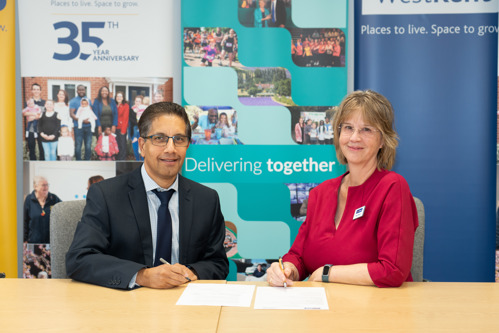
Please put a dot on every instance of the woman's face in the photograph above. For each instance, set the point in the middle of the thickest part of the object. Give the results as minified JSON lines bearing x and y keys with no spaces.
{"x":119,"y":98}
{"x":61,"y":96}
{"x":223,"y":119}
{"x":360,"y":149}
{"x":262,"y":3}
{"x":42,"y":188}
{"x":104,"y":92}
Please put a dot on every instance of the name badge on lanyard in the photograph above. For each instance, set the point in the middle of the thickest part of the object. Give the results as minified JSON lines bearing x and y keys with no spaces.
{"x":359,"y":212}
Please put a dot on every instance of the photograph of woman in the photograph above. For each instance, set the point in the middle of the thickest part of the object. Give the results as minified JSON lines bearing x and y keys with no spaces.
{"x":262,"y":15}
{"x":299,"y":131}
{"x":121,"y":129}
{"x":37,"y":206}
{"x":105,"y":109}
{"x":62,"y":109}
{"x":360,"y":226}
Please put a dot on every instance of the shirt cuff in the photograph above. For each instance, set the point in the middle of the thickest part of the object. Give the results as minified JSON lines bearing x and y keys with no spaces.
{"x":132,"y":283}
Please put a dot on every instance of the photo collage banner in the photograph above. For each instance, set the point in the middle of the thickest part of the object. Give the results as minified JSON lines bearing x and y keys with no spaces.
{"x":261,"y":82}
{"x":104,"y":61}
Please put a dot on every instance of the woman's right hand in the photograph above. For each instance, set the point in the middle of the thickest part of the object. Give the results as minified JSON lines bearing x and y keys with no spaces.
{"x":276,"y":277}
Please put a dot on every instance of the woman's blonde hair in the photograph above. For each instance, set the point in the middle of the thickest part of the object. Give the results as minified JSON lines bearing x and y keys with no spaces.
{"x":377,"y":111}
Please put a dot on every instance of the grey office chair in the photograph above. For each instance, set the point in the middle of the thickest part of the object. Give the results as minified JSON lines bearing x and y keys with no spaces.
{"x":64,"y":217}
{"x":417,"y":257}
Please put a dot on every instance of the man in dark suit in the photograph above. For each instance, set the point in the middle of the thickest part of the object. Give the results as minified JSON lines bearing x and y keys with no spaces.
{"x":278,"y":13}
{"x":115,"y":244}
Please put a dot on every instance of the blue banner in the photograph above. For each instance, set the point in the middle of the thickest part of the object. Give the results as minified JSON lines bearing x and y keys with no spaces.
{"x":437,"y":64}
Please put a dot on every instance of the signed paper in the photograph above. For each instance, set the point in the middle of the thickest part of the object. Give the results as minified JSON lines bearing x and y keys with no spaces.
{"x":217,"y":294}
{"x":313,"y":298}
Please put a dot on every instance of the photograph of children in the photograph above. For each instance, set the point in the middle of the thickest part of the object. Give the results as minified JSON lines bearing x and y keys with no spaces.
{"x":64,"y":117}
{"x":45,"y":184}
{"x":312,"y":125}
{"x":213,"y":125}
{"x":230,"y":242}
{"x":252,"y":269}
{"x":318,"y":47}
{"x":210,"y":47}
{"x":265,"y":13}
{"x":264,"y":86}
{"x":299,"y":193}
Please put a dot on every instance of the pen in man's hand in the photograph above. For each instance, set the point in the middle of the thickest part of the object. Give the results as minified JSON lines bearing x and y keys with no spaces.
{"x":282,"y":270}
{"x":167,"y":263}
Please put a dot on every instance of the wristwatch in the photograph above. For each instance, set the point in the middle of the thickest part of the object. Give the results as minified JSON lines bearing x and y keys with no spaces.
{"x":325,"y":273}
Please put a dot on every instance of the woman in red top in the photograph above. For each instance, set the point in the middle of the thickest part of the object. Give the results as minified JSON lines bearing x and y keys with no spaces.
{"x":360,"y":226}
{"x":123,"y":114}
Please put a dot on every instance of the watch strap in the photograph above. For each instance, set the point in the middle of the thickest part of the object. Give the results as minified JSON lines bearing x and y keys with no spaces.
{"x":325,"y":272}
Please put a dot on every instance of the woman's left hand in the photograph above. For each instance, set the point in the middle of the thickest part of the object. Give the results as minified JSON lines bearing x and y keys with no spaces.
{"x":317,"y":275}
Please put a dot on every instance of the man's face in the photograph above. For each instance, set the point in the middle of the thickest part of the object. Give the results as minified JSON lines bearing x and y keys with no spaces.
{"x":36,"y":91}
{"x":213,"y":116}
{"x":164,"y":163}
{"x":82,"y":91}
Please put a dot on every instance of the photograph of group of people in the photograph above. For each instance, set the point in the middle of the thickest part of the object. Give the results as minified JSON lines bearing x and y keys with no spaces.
{"x":86,"y":118}
{"x":312,"y":125}
{"x":213,"y":125}
{"x":318,"y":47}
{"x":299,"y":193}
{"x":264,"y":86}
{"x":36,"y":261}
{"x":265,"y":13}
{"x":210,"y":47}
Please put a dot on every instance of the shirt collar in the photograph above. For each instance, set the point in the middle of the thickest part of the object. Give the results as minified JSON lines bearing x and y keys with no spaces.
{"x":150,"y":184}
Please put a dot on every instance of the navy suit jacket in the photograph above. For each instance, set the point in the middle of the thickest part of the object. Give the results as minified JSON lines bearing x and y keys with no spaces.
{"x":113,"y":240}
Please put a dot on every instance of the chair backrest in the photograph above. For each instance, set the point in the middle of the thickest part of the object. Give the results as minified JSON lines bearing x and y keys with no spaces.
{"x":417,"y":257}
{"x":64,"y":217}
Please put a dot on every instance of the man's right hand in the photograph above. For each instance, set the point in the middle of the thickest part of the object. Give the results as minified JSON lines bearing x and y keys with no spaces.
{"x":164,"y":276}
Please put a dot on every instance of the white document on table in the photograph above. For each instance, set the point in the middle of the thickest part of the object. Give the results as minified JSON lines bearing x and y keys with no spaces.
{"x":217,"y":294}
{"x":291,"y":298}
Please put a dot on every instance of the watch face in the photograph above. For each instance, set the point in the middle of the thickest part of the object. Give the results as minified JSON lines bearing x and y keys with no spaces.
{"x":326,"y":270}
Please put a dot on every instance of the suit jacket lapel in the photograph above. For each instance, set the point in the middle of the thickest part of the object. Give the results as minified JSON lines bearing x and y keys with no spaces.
{"x":185,"y":217}
{"x":138,"y":201}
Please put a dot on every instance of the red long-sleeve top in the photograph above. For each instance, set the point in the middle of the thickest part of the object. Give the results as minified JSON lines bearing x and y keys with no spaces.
{"x":123,"y":114}
{"x":383,"y":237}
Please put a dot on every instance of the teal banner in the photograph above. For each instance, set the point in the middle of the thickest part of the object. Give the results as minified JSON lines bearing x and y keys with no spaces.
{"x":261,"y":83}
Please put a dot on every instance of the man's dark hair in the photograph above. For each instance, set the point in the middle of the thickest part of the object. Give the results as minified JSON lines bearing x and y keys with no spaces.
{"x":95,"y":179}
{"x":156,"y":110}
{"x":36,"y":84}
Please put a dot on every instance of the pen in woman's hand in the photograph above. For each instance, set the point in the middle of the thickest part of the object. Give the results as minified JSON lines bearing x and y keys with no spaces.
{"x":282,"y":270}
